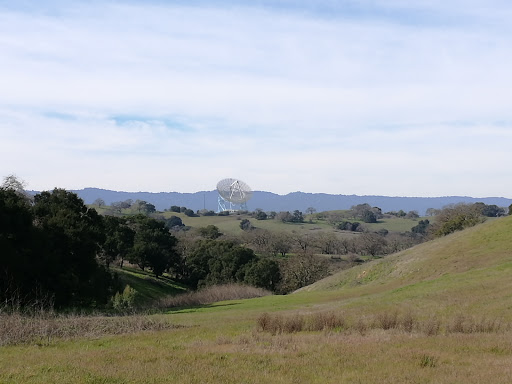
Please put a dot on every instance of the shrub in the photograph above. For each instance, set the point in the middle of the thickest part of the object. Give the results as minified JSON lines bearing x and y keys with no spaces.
{"x":125,"y":300}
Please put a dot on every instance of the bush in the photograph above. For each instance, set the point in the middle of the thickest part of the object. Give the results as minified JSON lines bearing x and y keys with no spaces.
{"x":456,"y":218}
{"x":245,"y":225}
{"x":125,"y":300}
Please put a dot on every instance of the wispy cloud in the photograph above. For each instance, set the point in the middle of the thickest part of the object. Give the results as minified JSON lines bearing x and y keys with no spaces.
{"x":385,"y":98}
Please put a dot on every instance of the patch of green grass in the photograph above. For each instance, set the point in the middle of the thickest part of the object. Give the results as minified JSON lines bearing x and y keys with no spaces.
{"x":148,"y":287}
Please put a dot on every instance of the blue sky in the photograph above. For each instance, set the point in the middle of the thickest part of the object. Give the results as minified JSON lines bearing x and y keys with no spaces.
{"x":395,"y":97}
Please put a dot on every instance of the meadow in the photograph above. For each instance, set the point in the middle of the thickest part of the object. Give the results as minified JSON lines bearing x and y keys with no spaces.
{"x":436,"y":313}
{"x":230,"y":225}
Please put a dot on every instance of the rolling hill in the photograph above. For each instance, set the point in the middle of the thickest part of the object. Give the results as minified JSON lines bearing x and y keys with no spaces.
{"x":463,"y":276}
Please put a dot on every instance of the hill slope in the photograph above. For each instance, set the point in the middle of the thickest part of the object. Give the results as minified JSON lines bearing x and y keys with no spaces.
{"x":469,"y":270}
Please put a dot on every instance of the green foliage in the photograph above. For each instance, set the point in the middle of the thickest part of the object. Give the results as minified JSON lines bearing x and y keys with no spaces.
{"x":297,"y":216}
{"x":369,"y":217}
{"x":218,"y":262}
{"x":125,"y":300}
{"x":119,"y":239}
{"x":287,"y":217}
{"x":175,"y":208}
{"x":210,"y":232}
{"x":153,"y":245}
{"x":492,"y":211}
{"x":144,"y":207}
{"x":245,"y":225}
{"x":422,"y":227}
{"x":260,"y":215}
{"x":456,"y":218}
{"x":49,"y":249}
{"x":174,"y":222}
{"x":349,"y":226}
{"x":189,"y":213}
{"x":264,"y":273}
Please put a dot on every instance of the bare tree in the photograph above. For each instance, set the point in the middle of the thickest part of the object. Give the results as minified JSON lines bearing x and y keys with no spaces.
{"x":99,"y":202}
{"x":302,"y":270}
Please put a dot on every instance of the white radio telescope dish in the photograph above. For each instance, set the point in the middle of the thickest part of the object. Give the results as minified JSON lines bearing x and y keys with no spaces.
{"x":233,"y":194}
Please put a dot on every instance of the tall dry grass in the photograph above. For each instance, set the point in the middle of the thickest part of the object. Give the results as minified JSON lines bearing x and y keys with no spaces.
{"x":406,"y":322}
{"x":213,"y":294}
{"x":45,"y":327}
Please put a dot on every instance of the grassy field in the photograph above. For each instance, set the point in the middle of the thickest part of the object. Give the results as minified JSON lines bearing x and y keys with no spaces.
{"x":459,"y":280}
{"x":230,"y":225}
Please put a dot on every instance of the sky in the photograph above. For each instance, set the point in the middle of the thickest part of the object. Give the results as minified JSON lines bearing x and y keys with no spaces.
{"x":375,"y":97}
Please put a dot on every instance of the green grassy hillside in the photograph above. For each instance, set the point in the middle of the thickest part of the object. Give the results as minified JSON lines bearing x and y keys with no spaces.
{"x":471,"y":269}
{"x":231,"y":224}
{"x":148,"y":287}
{"x":468,"y":273}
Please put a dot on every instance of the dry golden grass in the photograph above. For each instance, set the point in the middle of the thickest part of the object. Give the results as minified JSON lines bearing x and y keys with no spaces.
{"x":45,"y":328}
{"x":213,"y":294}
{"x":391,"y":320}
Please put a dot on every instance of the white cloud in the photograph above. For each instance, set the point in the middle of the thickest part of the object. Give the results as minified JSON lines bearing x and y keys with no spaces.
{"x":287,"y":101}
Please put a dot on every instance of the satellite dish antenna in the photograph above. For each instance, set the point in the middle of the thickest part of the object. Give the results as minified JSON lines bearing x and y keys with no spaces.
{"x":233,"y":195}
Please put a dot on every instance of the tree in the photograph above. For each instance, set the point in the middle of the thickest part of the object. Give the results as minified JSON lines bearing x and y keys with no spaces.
{"x":492,"y":211}
{"x":119,"y":240}
{"x":73,"y":235}
{"x":369,"y":217}
{"x":422,"y":227}
{"x":99,"y":202}
{"x":284,"y":216}
{"x":260,"y":215}
{"x":19,"y":246}
{"x":144,"y":207}
{"x":431,"y":211}
{"x":302,"y":270}
{"x":310,"y":210}
{"x":371,"y":244}
{"x":412,"y":215}
{"x":175,"y":208}
{"x":264,"y":273}
{"x":189,"y":213}
{"x":245,"y":225}
{"x":297,"y":216}
{"x":217,"y":262}
{"x":174,"y":222}
{"x":455,"y":218}
{"x":280,"y":243}
{"x":510,"y":209}
{"x":154,"y":246}
{"x":210,"y":232}
{"x":359,"y":209}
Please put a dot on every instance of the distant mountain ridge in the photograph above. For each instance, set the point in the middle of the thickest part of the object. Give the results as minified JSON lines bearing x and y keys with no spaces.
{"x":269,"y":201}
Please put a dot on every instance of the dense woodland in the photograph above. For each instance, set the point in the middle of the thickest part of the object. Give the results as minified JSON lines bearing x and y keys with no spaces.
{"x":57,"y":250}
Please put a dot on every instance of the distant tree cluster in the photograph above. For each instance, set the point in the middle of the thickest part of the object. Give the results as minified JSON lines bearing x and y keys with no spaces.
{"x":287,"y":217}
{"x":211,"y":261}
{"x":366,"y":213}
{"x":407,"y":215}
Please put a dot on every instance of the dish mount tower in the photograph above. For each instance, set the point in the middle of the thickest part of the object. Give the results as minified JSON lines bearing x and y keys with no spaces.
{"x":233,"y":195}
